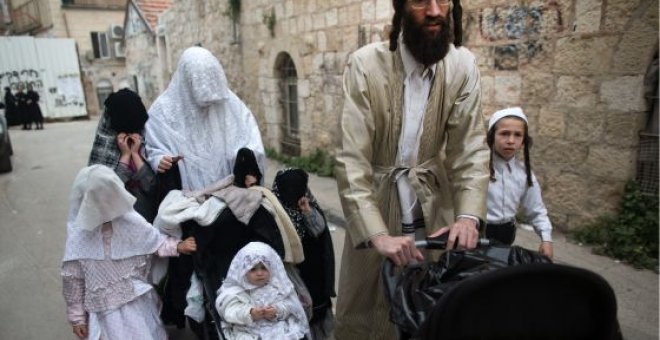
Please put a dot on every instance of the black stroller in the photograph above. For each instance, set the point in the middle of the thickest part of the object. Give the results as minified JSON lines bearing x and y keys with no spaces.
{"x":498,"y":292}
{"x":217,"y":244}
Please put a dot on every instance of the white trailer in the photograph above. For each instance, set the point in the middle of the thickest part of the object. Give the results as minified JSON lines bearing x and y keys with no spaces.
{"x":51,"y":66}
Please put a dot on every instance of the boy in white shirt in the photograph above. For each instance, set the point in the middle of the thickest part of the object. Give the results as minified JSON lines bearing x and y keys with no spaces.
{"x":512,"y":183}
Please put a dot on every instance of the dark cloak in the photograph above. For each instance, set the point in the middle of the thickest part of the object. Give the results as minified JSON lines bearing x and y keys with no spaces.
{"x":318,"y":269}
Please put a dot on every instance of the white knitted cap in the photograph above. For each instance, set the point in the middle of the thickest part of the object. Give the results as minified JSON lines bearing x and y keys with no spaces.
{"x":511,"y":111}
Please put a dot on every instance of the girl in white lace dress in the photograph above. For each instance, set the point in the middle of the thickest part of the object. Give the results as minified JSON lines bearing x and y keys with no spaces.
{"x":107,"y":261}
{"x":257,"y":300}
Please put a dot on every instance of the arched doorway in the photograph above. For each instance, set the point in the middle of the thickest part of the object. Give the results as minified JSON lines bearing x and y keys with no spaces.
{"x":103,"y":90}
{"x":288,"y":98}
{"x":128,"y":83}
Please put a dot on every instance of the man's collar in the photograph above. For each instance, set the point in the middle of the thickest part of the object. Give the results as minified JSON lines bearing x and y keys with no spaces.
{"x":411,"y":64}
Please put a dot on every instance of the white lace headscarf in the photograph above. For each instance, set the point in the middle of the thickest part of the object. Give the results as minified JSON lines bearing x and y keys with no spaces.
{"x":200,"y":118}
{"x":279,"y":289}
{"x":99,"y":196}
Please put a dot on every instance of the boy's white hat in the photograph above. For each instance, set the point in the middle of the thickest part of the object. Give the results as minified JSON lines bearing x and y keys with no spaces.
{"x":511,"y":111}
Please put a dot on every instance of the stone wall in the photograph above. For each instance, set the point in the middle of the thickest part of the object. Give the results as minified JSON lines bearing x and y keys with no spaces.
{"x":146,"y":69}
{"x":317,"y":35}
{"x":575,"y":66}
{"x":577,"y":69}
{"x":113,"y":71}
{"x":142,"y":59}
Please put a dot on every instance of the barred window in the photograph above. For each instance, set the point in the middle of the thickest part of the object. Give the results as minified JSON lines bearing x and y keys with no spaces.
{"x":647,"y":163}
{"x":288,"y":84}
{"x":647,"y":160}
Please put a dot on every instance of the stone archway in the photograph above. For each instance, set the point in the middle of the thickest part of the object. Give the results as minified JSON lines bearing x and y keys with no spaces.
{"x":270,"y":92}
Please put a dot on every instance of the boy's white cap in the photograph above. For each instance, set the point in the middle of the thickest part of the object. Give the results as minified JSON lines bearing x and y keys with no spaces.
{"x":511,"y":111}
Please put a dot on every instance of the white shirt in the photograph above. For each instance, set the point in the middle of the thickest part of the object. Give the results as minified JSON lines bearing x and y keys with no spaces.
{"x":416,"y":88}
{"x":510,"y":192}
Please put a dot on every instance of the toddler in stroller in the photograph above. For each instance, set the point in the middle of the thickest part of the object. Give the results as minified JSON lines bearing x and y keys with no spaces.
{"x":223,"y":217}
{"x":499,"y":292}
{"x":257,"y":300}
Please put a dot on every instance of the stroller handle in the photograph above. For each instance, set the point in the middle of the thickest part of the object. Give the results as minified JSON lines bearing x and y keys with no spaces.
{"x":439,"y":242}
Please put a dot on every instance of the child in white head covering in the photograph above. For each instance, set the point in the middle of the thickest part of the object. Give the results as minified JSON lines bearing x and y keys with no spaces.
{"x":107,"y":261}
{"x":257,"y":300}
{"x":512,"y":183}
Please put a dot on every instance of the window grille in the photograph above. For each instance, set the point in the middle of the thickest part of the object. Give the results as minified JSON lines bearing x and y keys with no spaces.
{"x":289,"y":99}
{"x":647,"y":163}
{"x":647,"y":158}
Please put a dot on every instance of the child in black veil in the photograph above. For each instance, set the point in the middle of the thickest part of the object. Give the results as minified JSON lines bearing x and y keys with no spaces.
{"x":318,"y":268}
{"x":246,"y":169}
{"x":119,"y":145}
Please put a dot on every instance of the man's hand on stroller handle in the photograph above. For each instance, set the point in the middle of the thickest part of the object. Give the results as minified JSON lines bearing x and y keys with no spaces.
{"x":463,"y":234}
{"x":400,"y":249}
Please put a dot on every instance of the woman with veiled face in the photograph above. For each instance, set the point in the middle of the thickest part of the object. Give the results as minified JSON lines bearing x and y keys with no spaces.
{"x":199,"y":123}
{"x":195,"y":128}
{"x":119,"y":145}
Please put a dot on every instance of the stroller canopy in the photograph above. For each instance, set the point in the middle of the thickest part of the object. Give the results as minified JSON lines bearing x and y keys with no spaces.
{"x":532,"y":301}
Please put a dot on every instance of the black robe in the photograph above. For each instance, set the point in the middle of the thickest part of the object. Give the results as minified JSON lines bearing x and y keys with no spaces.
{"x":33,"y":110}
{"x":22,"y":108}
{"x":216,"y":246}
{"x":11,"y":110}
{"x":318,"y":272}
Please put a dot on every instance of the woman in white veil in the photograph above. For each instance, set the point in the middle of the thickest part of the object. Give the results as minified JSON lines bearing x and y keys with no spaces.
{"x":199,"y":118}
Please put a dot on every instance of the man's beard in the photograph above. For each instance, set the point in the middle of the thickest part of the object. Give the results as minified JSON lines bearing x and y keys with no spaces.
{"x":427,"y":49}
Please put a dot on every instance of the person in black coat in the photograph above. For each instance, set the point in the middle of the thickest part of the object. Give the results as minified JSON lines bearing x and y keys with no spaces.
{"x":22,"y":108}
{"x":318,"y":269}
{"x":33,"y":110}
{"x":11,"y":112}
{"x":217,"y":244}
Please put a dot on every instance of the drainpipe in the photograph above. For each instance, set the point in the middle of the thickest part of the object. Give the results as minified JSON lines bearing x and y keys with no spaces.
{"x":66,"y":23}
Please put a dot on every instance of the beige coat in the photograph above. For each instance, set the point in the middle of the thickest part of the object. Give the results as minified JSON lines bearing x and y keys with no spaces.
{"x":451,"y":178}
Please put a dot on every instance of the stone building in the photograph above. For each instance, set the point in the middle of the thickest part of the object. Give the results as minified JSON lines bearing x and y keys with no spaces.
{"x":577,"y":67}
{"x":143,"y":43}
{"x":96,"y":26}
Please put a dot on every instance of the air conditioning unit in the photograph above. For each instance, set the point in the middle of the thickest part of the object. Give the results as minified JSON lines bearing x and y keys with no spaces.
{"x":116,"y":32}
{"x":89,"y":55}
{"x":119,"y":49}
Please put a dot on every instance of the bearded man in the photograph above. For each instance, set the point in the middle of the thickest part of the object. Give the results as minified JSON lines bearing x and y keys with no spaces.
{"x":413,"y":159}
